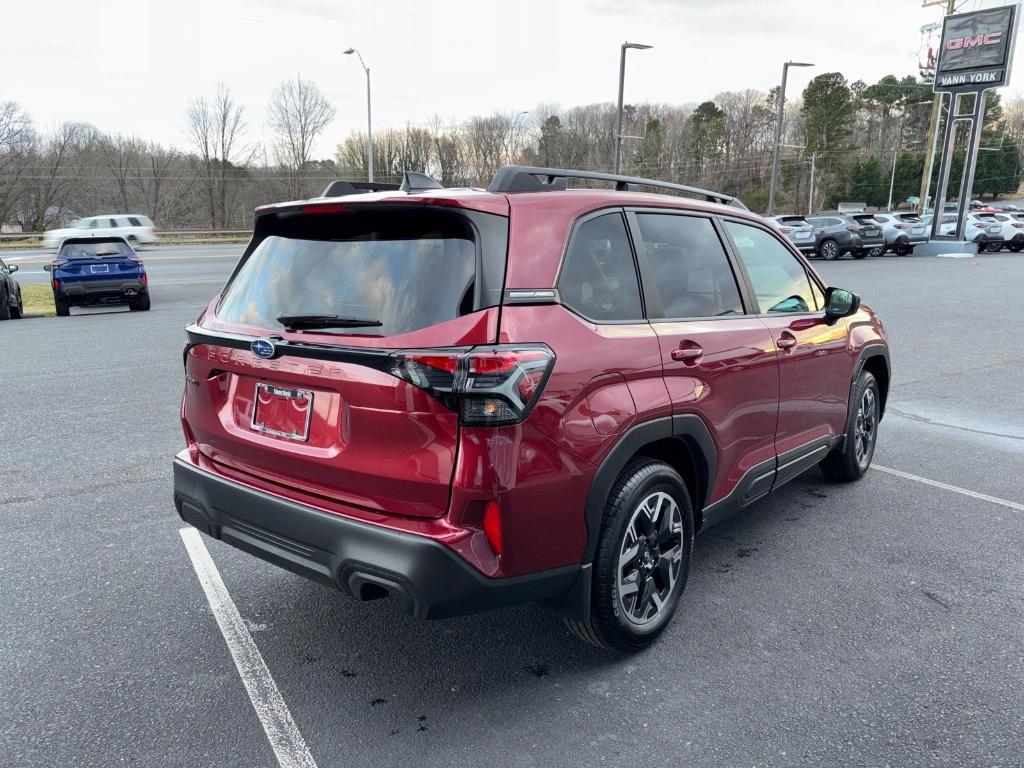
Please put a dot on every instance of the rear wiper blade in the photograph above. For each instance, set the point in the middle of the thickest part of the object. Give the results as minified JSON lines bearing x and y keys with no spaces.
{"x":299,"y":322}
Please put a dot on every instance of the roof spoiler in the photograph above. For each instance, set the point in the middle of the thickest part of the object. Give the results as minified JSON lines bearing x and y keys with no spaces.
{"x":522,"y":178}
{"x":340,"y":188}
{"x":412,"y":181}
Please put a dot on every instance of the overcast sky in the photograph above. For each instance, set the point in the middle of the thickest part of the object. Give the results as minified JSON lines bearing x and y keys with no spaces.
{"x":131,"y":66}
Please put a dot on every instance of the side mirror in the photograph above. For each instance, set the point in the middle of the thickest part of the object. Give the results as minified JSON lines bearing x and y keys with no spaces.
{"x":840,"y":303}
{"x":12,"y":267}
{"x":48,"y":267}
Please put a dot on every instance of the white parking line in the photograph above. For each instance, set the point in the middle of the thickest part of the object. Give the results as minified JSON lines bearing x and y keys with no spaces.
{"x":285,"y":738}
{"x":953,"y":488}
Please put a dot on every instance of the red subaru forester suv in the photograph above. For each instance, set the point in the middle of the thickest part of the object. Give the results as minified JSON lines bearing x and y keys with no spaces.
{"x":463,"y":399}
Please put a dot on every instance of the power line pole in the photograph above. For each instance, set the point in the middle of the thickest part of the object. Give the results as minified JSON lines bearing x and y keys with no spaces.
{"x":933,"y":130}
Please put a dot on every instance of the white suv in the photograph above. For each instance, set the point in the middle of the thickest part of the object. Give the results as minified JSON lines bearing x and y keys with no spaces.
{"x":135,"y":228}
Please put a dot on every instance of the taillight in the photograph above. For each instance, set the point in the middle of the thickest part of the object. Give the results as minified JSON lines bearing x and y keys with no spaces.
{"x":785,"y":230}
{"x":856,"y":229}
{"x":902,"y":226}
{"x":56,"y":283}
{"x":143,"y":278}
{"x":488,"y":386}
{"x":1018,"y":226}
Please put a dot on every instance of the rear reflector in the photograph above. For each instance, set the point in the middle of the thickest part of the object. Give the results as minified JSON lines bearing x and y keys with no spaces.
{"x":492,"y":526}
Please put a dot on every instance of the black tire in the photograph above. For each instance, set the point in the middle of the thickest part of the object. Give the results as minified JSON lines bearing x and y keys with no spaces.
{"x":829,"y":250}
{"x":877,"y":251}
{"x":903,"y":249}
{"x":63,"y":308}
{"x":861,"y":254}
{"x":995,"y":247}
{"x":18,"y":312}
{"x":1016,"y":247}
{"x":5,"y":307}
{"x":141,"y":304}
{"x":851,"y":459}
{"x":611,"y":624}
{"x":133,"y":241}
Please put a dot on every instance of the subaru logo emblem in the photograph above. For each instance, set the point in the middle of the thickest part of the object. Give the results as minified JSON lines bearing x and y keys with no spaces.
{"x":263,"y":348}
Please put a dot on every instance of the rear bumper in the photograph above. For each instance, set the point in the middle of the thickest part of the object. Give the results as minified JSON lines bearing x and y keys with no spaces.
{"x":95,"y":290}
{"x":365,"y":561}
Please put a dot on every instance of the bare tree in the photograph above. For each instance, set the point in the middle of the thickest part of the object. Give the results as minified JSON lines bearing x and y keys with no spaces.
{"x":59,"y":163}
{"x":16,"y":139}
{"x":298,"y":113}
{"x":216,"y":130}
{"x":157,"y":177}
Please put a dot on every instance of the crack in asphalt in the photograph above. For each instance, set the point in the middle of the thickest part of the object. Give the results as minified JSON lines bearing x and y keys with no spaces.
{"x":79,"y":491}
{"x":926,"y":420}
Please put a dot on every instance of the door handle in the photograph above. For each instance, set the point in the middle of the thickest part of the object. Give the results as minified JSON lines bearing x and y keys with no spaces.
{"x":786,"y":340}
{"x":688,"y":352}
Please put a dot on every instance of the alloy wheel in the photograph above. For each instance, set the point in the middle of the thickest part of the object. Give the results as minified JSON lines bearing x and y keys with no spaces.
{"x":864,"y":430}
{"x":650,"y":559}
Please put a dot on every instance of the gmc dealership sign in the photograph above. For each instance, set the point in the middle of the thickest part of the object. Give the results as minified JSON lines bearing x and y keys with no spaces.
{"x":977,"y":49}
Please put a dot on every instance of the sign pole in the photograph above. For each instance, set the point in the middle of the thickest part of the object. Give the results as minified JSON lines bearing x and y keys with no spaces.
{"x":975,"y":56}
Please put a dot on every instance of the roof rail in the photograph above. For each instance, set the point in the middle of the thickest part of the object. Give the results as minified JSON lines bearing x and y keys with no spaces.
{"x":340,"y":188}
{"x":523,"y":178}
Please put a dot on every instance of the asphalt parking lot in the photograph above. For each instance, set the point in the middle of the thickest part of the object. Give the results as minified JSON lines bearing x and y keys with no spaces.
{"x":880,"y":623}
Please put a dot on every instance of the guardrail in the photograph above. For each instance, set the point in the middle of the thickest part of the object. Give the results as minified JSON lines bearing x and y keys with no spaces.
{"x":168,"y":233}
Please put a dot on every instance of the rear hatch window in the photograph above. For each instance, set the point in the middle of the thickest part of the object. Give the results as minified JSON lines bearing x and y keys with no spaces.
{"x":380,"y":271}
{"x":866,"y":221}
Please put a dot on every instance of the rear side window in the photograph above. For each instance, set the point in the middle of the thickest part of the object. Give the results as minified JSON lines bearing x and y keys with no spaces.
{"x":133,"y":222}
{"x":599,"y":279}
{"x":112,"y":223}
{"x":778,"y":278}
{"x":689,"y":265}
{"x":405,"y":269}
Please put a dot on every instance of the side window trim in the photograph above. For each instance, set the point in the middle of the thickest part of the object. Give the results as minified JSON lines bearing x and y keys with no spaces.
{"x":570,"y":241}
{"x":647,"y":281}
{"x":811,"y":276}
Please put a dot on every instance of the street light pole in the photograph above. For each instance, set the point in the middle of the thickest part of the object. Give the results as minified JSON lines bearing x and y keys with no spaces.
{"x":514,"y":137}
{"x":622,"y":83}
{"x":778,"y":132}
{"x":369,"y":115}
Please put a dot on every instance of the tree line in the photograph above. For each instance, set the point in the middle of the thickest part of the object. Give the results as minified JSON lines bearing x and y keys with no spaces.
{"x":858,"y":137}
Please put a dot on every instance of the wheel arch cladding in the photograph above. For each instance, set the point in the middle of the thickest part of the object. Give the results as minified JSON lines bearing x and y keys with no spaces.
{"x":683,"y":442}
{"x":878,"y":365}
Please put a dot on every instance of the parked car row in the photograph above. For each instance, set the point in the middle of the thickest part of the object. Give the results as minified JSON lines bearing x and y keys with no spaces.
{"x":833,"y":235}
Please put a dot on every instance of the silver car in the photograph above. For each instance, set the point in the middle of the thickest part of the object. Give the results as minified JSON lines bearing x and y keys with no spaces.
{"x":1013,"y":230}
{"x":796,"y":228}
{"x":980,"y":229}
{"x":902,"y":231}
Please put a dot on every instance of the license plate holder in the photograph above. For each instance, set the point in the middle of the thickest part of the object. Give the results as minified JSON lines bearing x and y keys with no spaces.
{"x":282,"y":412}
{"x":99,"y":268}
